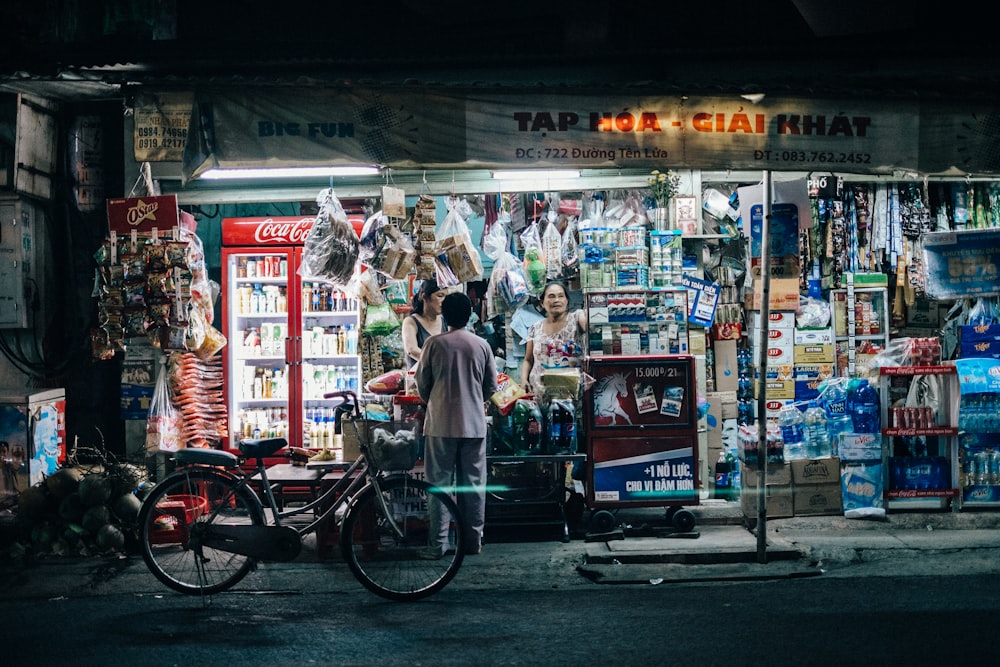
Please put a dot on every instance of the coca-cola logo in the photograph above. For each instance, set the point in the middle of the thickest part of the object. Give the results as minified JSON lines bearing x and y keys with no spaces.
{"x":271,"y":231}
{"x":134,"y":215}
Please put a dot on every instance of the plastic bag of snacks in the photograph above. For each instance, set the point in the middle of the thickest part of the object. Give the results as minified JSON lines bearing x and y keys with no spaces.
{"x":507,"y":393}
{"x":330,"y":252}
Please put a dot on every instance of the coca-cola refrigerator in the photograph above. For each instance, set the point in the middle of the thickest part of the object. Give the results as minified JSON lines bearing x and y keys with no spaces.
{"x":290,"y":340}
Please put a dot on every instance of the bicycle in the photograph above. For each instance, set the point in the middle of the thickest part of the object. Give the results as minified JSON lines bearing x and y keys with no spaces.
{"x":204,"y":527}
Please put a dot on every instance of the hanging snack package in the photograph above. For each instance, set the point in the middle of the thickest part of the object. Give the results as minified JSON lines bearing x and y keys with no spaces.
{"x":424,"y":225}
{"x":330,"y":252}
{"x":507,"y":393}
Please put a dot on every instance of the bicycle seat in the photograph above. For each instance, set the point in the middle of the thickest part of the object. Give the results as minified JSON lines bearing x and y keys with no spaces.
{"x":203,"y":456}
{"x":262,"y":447}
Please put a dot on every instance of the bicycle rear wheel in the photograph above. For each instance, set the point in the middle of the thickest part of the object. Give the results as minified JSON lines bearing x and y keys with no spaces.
{"x":394,"y":564}
{"x":169,"y":522}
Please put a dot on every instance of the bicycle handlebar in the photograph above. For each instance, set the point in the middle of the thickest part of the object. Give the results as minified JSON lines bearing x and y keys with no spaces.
{"x":348,"y":402}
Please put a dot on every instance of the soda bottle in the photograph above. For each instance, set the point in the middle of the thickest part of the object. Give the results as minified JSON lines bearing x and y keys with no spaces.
{"x":533,"y":427}
{"x":723,"y":482}
{"x":838,"y":420}
{"x":791,"y":423}
{"x":817,"y":437}
{"x":864,"y":404}
{"x":520,"y":427}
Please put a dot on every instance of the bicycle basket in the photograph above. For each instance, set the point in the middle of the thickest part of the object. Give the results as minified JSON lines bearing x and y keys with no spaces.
{"x":393,"y":449}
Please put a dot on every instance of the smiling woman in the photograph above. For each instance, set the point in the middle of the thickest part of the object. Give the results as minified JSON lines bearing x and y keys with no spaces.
{"x":556,"y":340}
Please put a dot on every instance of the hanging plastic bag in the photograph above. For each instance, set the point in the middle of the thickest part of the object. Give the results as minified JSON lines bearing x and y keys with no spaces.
{"x":552,"y":246}
{"x":508,"y":288}
{"x":534,"y":263}
{"x":163,"y":425}
{"x":568,"y":250}
{"x":394,"y":256}
{"x":371,"y":235}
{"x":984,"y":311}
{"x":495,"y":240}
{"x":455,"y":250}
{"x":380,"y":320}
{"x":330,"y":252}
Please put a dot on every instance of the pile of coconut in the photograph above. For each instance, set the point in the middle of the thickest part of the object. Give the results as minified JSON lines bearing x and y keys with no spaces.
{"x":79,"y":511}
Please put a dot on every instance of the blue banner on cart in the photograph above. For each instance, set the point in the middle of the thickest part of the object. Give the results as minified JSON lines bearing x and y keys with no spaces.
{"x":962,"y":264}
{"x":666,"y":475}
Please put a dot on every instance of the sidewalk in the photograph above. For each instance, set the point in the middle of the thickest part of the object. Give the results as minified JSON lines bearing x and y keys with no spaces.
{"x":720,"y":548}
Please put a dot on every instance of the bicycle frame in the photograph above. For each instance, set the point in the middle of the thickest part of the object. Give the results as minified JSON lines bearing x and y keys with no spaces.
{"x":358,"y":475}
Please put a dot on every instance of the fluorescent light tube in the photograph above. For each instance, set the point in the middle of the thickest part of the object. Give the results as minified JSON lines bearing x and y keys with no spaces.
{"x":286,"y":172}
{"x":536,"y":174}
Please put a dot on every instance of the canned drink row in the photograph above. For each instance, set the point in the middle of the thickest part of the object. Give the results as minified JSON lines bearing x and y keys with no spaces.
{"x":919,"y":417}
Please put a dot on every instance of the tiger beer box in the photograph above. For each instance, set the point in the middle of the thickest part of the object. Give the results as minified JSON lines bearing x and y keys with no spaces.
{"x":816,"y":486}
{"x":980,"y":341}
{"x":777,"y":490}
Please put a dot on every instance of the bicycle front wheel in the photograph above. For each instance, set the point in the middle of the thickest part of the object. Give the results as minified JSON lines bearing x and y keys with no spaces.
{"x":172,"y":516}
{"x":386,"y":539}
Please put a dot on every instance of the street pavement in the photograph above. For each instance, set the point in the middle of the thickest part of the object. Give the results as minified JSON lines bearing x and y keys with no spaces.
{"x":641,"y":550}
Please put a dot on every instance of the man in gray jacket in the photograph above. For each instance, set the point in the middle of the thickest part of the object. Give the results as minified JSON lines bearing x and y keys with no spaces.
{"x":455,"y":378}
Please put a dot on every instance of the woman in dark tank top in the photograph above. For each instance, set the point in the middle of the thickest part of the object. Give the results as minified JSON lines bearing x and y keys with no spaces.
{"x":423,"y":321}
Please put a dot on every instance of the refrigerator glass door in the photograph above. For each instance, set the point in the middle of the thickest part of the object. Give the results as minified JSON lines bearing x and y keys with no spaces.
{"x":329,"y":353}
{"x":257,"y":306}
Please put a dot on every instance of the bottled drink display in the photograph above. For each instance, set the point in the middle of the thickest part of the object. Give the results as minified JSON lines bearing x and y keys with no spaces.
{"x":864,"y":408}
{"x":562,"y":426}
{"x":838,"y":420}
{"x":817,"y":436}
{"x":527,"y":427}
{"x":791,"y":423}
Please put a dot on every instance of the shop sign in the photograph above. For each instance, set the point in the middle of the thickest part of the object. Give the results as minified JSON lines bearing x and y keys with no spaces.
{"x":160,"y":126}
{"x":283,"y":231}
{"x":418,"y":129}
{"x":962,"y":264}
{"x":142,"y":215}
{"x":275,"y":231}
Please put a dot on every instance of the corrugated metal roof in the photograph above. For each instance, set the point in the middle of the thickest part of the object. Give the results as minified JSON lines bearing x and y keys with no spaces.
{"x":889,"y":49}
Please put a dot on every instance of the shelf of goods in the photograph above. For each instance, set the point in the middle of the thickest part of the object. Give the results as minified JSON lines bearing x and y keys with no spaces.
{"x":280,"y":366}
{"x":860,"y":317}
{"x":979,"y":433}
{"x":920,"y":453}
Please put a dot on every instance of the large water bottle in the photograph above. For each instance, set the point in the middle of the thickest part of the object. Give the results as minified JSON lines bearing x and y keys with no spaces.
{"x":864,"y":407}
{"x":817,"y":436}
{"x":792,"y":426}
{"x":838,"y":420}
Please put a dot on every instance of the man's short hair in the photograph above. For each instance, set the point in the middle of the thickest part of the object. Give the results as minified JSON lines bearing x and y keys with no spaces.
{"x":456,"y":309}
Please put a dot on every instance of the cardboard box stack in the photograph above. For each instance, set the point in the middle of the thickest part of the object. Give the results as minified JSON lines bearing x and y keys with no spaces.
{"x":808,"y":487}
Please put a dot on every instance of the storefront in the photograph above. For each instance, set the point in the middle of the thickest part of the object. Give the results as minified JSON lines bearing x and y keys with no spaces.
{"x":873,"y":203}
